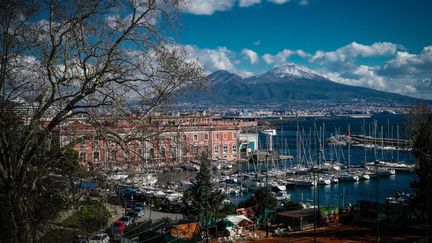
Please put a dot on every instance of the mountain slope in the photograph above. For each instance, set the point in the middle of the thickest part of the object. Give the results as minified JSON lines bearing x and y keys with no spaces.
{"x":287,"y":84}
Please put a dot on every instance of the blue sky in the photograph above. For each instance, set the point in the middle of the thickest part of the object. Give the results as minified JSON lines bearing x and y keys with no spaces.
{"x":385,"y":44}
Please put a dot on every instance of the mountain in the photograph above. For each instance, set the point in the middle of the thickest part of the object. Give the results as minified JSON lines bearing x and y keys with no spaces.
{"x":287,"y":84}
{"x":293,"y":71}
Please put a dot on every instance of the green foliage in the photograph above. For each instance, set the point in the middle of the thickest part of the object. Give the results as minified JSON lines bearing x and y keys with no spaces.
{"x":92,"y":216}
{"x":262,"y":198}
{"x":60,"y":235}
{"x":35,"y":188}
{"x":225,"y":209}
{"x":202,"y":200}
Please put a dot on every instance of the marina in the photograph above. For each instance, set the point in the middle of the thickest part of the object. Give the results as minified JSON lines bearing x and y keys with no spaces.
{"x":286,"y":164}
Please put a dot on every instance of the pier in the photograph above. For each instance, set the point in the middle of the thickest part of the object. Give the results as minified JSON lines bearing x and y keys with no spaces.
{"x":372,"y":142}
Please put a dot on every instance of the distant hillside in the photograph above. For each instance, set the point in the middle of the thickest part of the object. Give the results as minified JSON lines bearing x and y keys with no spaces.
{"x":286,"y":84}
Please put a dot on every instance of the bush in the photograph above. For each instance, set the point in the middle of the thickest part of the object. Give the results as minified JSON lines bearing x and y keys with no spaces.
{"x":91,"y":217}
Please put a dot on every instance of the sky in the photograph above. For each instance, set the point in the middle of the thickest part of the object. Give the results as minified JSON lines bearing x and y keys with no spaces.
{"x":384,"y":45}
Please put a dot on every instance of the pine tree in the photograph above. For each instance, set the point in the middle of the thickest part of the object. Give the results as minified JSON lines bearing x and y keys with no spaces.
{"x":201,"y":201}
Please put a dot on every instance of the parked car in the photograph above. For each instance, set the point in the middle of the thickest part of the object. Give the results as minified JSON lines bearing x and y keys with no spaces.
{"x":139,"y":211}
{"x":119,"y":226}
{"x":126,"y":219}
{"x":139,"y":204}
{"x":99,"y":238}
{"x":132,"y":214}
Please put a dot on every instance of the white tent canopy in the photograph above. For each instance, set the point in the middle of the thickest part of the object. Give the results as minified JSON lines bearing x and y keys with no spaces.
{"x":236,"y":219}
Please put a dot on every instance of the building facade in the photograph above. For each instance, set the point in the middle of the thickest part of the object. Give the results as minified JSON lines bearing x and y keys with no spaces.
{"x":120,"y":142}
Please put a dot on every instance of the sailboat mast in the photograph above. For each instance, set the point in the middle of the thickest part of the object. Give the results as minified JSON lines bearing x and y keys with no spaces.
{"x":365,"y":152}
{"x":382,"y":143}
{"x":349,"y":146}
{"x":397,"y":144}
{"x":298,"y":146}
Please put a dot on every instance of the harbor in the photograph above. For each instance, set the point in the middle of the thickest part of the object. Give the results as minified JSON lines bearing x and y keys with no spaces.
{"x":295,"y":167}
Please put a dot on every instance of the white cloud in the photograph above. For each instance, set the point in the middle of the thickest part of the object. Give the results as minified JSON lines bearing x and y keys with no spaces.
{"x":362,"y":75}
{"x":400,"y":74}
{"x":407,"y":64}
{"x":404,"y":73}
{"x":349,"y":52}
{"x":299,"y":2}
{"x":208,"y":7}
{"x":282,"y":56}
{"x":279,"y":1}
{"x":368,"y":77}
{"x":247,"y":3}
{"x":213,"y":60}
{"x":251,"y":55}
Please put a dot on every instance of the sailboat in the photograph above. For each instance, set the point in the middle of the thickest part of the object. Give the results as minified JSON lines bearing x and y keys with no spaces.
{"x":348,"y":175}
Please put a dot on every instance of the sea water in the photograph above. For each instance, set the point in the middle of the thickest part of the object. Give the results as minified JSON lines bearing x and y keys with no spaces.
{"x":344,"y":193}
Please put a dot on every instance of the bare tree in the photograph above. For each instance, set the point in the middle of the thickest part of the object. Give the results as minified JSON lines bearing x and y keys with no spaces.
{"x":420,"y":127}
{"x":62,"y":59}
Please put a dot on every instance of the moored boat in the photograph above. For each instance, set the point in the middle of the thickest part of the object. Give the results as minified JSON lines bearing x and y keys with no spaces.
{"x":324,"y":181}
{"x":348,"y":177}
{"x":282,"y":195}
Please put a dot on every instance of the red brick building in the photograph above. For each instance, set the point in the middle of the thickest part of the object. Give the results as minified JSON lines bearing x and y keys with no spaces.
{"x":161,"y":139}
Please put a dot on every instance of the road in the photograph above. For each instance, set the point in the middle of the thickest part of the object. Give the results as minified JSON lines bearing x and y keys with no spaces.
{"x":156,"y":215}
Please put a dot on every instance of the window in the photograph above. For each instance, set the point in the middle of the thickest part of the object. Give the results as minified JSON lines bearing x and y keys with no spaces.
{"x":69,"y":139}
{"x":234,"y":148}
{"x":95,"y":141}
{"x":206,"y":136}
{"x":152,"y":154}
{"x":173,"y":152}
{"x":216,"y":149}
{"x":81,"y":141}
{"x":82,"y":156}
{"x":163,"y":152}
{"x":225,"y":148}
{"x":195,"y":137}
{"x":96,"y":156}
{"x":195,"y":150}
{"x":184,"y":137}
{"x":113,"y":155}
{"x":234,"y":135}
{"x":185,"y":150}
{"x":217,"y":136}
{"x":139,"y":152}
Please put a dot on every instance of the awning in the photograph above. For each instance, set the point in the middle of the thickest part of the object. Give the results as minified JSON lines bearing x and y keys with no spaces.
{"x":236,"y":219}
{"x":185,"y":231}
